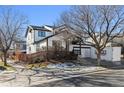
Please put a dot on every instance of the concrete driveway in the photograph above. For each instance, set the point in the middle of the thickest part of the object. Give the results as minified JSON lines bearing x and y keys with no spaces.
{"x":107,"y":78}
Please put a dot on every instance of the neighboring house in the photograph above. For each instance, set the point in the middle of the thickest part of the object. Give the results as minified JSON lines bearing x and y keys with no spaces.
{"x":39,"y":38}
{"x":18,"y":46}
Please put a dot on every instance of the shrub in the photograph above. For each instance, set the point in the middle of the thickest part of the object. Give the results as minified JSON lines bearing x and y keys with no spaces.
{"x":38,"y":59}
{"x":2,"y":68}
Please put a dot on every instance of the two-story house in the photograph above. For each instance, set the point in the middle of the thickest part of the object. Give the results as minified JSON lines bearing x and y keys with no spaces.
{"x":33,"y":36}
{"x":41,"y":38}
{"x":38,"y":38}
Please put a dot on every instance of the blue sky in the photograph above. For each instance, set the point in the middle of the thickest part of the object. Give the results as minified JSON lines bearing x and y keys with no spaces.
{"x":40,"y":15}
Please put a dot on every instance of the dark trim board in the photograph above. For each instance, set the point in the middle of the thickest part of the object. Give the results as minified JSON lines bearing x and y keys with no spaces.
{"x":82,"y":47}
{"x":36,"y":42}
{"x":79,"y":51}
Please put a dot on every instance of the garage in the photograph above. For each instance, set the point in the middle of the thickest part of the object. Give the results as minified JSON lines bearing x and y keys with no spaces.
{"x":85,"y":52}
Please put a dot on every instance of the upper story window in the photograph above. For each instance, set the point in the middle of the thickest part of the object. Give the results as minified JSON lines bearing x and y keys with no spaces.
{"x":41,"y":34}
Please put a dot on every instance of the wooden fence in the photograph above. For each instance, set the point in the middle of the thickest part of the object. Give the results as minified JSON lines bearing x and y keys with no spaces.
{"x":28,"y":58}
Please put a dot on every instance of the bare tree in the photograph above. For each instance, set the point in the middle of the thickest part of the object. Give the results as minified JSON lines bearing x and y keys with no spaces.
{"x":11,"y":24}
{"x":101,"y":23}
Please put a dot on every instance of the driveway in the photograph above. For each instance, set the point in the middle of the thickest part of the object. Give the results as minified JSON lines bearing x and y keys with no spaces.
{"x":107,"y":78}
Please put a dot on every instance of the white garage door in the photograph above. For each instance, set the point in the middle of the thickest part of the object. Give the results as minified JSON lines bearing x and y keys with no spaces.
{"x":85,"y":52}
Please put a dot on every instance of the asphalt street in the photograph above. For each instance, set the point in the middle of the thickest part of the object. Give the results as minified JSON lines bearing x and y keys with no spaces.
{"x":107,"y":78}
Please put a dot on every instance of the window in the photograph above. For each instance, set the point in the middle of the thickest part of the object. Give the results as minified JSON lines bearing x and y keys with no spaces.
{"x":41,"y":34}
{"x":77,"y":51}
{"x":38,"y":47}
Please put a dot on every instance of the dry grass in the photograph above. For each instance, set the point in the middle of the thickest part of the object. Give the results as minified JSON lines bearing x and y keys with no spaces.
{"x":8,"y":67}
{"x":42,"y":65}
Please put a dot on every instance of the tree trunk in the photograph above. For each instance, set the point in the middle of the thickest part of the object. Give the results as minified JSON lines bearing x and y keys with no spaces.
{"x":47,"y":59}
{"x":1,"y":57}
{"x":98,"y":58}
{"x":5,"y":58}
{"x":66,"y":47}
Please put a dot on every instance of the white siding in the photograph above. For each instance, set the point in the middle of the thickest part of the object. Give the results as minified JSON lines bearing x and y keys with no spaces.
{"x":112,"y":54}
{"x":42,"y":45}
{"x":106,"y":56}
{"x":85,"y":52}
{"x":116,"y":54}
{"x":56,"y":38}
{"x":32,"y":37}
{"x":32,"y":47}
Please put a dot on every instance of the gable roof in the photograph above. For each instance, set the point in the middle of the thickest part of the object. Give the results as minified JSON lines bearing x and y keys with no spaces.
{"x":64,"y":27}
{"x":42,"y":28}
{"x":61,"y":30}
{"x":49,"y":26}
{"x":58,"y":30}
{"x":39,"y":28}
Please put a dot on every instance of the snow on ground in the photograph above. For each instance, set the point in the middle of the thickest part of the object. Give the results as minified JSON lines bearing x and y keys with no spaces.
{"x":28,"y":77}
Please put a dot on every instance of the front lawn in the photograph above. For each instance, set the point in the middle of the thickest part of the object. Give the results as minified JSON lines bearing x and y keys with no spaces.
{"x":8,"y":67}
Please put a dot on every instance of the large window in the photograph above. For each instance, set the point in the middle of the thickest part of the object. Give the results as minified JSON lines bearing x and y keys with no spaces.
{"x":41,"y":34}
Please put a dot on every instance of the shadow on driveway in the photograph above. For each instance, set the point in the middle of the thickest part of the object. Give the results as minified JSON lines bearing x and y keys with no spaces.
{"x":78,"y":82}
